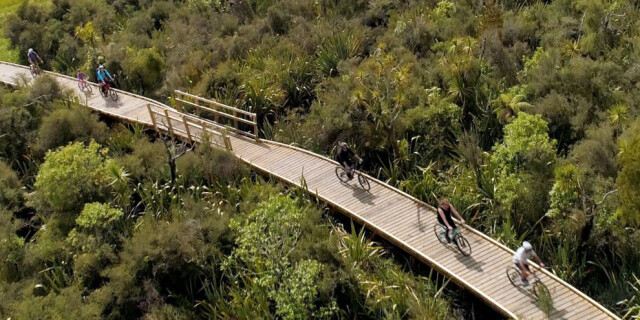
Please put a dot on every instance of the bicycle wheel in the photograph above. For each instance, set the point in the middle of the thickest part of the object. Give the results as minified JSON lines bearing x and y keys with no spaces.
{"x":85,"y":87}
{"x":364,"y":182}
{"x":342,"y":175}
{"x":440,"y":233}
{"x":34,"y":71}
{"x":463,"y":245}
{"x":514,"y":275}
{"x":540,"y":290}
{"x":113,"y":95}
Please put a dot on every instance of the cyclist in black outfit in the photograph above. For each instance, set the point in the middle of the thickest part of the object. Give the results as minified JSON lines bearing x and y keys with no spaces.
{"x":444,"y":218}
{"x":344,"y":156}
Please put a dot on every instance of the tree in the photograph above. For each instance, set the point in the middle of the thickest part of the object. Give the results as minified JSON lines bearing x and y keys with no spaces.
{"x":174,"y":152}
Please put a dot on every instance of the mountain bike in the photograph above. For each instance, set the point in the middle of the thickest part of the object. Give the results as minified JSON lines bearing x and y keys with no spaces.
{"x":355,"y":171}
{"x":107,"y":91}
{"x":536,"y":286}
{"x":83,"y":85}
{"x":458,"y":239}
{"x":35,"y":70}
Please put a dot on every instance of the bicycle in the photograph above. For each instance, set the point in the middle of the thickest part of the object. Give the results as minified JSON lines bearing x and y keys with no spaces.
{"x":34,"y":69}
{"x":355,"y":170}
{"x":107,"y":92}
{"x":85,"y":86}
{"x":459,"y":240}
{"x":514,"y":274}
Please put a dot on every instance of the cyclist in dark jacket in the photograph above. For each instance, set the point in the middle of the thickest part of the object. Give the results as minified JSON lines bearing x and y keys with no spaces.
{"x":33,"y":57}
{"x":344,"y":156}
{"x":444,"y":218}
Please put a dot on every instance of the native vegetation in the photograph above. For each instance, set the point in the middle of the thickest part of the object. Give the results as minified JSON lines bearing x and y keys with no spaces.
{"x":523,"y":113}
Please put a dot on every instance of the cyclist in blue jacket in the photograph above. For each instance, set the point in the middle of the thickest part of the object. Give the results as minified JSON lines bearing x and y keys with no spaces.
{"x":103,"y":75}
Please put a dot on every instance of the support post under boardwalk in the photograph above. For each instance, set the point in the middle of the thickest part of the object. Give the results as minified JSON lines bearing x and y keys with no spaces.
{"x":166,"y":113}
{"x":186,"y":127}
{"x":153,"y":117}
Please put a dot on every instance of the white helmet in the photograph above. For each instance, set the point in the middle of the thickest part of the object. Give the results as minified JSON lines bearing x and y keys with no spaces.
{"x":101,"y":67}
{"x":30,"y":50}
{"x":526,"y":245}
{"x":344,"y":144}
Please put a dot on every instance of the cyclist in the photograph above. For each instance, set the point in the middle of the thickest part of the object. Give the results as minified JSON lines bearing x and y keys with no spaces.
{"x":33,"y":58}
{"x":344,"y":156}
{"x":103,"y":76}
{"x":82,"y":78}
{"x":444,"y":218}
{"x":521,"y":258}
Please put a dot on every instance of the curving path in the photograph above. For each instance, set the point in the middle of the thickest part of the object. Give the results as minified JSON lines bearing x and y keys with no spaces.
{"x":392,"y":214}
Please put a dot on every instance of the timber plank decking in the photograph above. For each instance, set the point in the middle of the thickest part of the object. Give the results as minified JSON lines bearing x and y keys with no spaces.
{"x":397,"y":217}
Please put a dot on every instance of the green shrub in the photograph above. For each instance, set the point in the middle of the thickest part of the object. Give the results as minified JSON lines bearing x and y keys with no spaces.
{"x":629,"y":177}
{"x":11,"y":192}
{"x":221,"y":166}
{"x":11,"y":249}
{"x":190,"y":170}
{"x":67,"y":125}
{"x":123,"y":139}
{"x":524,"y":162}
{"x":97,"y":216}
{"x":158,"y":261}
{"x":72,"y":176}
{"x":46,"y":89}
{"x":148,"y":161}
{"x":70,"y":303}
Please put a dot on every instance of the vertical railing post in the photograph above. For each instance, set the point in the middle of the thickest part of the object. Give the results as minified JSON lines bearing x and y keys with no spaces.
{"x":186,"y":127}
{"x":215,"y":114}
{"x":255,"y":126}
{"x":235,"y":121}
{"x":227,"y":141}
{"x":166,"y":114}
{"x":153,"y":117}
{"x":204,"y":132}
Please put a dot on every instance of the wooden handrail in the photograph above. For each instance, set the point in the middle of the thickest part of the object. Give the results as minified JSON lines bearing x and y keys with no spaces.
{"x":222,"y":114}
{"x":189,"y":121}
{"x":231,"y":113}
{"x":216,"y":103}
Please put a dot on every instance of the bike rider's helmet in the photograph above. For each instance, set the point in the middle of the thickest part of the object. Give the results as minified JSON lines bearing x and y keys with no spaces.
{"x":101,"y":67}
{"x":30,"y":50}
{"x":526,"y":245}
{"x":344,"y":145}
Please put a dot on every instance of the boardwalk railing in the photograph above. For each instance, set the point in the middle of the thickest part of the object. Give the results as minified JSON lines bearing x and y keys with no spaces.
{"x":187,"y":126}
{"x":235,"y":119}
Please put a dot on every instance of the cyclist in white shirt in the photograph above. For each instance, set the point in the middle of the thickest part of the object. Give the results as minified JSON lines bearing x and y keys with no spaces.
{"x":521,"y":260}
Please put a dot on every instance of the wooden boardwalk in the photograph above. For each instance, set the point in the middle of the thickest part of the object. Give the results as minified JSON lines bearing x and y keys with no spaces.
{"x":392,"y":214}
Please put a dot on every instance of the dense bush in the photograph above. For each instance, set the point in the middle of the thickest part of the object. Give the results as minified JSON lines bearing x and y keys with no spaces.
{"x":67,"y":125}
{"x":72,"y":176}
{"x":512,"y":109}
{"x":11,"y":193}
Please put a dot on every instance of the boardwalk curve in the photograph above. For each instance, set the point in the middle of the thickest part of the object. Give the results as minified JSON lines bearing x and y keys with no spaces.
{"x":391,"y":213}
